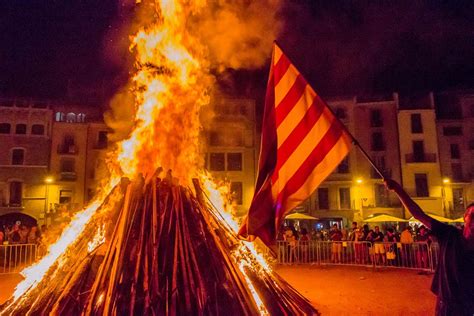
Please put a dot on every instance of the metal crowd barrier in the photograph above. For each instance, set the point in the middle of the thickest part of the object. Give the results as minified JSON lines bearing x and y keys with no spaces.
{"x":418,"y":255}
{"x":13,"y":258}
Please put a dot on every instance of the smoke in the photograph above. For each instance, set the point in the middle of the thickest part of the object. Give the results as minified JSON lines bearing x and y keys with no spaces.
{"x":236,"y":34}
{"x":239,"y":33}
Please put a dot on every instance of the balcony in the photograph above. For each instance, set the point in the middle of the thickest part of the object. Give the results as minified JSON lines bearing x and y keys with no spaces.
{"x":412,"y":158}
{"x":64,"y":149}
{"x":68,"y":176}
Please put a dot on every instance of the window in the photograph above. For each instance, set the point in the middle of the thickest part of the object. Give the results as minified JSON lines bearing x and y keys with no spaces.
{"x":37,"y":129}
{"x":102,"y":139}
{"x":380,"y":163}
{"x":323,"y":198}
{"x":20,"y":129}
{"x":452,"y":131}
{"x":234,"y":161}
{"x":5,"y":128}
{"x":65,"y":196}
{"x":217,"y":161}
{"x":455,"y":153}
{"x":378,"y":143}
{"x":458,"y":199}
{"x":18,"y":156}
{"x":236,"y":189}
{"x":340,"y":113}
{"x":381,"y":196}
{"x":67,"y":165}
{"x":456,"y":169}
{"x":67,"y":146}
{"x":343,"y":167}
{"x":230,"y":138}
{"x":418,"y":151}
{"x":416,"y":126}
{"x":345,"y":198}
{"x":421,"y":184}
{"x":376,"y":118}
{"x":16,"y":193}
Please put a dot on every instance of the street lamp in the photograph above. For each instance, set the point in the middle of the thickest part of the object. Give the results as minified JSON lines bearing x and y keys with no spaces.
{"x":359,"y":181}
{"x":446,"y":181}
{"x":48,"y":180}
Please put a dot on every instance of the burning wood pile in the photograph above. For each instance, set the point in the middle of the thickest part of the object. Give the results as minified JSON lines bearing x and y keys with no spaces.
{"x":168,"y":253}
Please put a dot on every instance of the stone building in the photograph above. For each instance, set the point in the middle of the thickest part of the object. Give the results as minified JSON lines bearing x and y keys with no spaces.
{"x":25,"y":137}
{"x":231,"y":147}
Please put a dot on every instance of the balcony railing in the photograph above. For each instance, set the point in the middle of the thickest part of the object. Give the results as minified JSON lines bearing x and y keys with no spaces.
{"x":68,"y":176}
{"x":412,"y":158}
{"x":67,"y":149}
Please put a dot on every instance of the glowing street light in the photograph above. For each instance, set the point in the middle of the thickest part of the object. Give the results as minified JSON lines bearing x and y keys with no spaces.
{"x":359,"y":180}
{"x":48,"y":180}
{"x":446,"y":180}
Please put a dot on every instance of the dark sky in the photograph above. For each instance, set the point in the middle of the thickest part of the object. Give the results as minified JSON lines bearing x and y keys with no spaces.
{"x":342,"y":47}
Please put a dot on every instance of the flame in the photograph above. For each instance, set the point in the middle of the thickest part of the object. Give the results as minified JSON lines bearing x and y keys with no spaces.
{"x":35,"y":273}
{"x":170,"y":86}
{"x":98,"y":240}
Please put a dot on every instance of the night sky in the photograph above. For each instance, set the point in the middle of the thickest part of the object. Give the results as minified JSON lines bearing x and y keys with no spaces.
{"x":342,"y":47}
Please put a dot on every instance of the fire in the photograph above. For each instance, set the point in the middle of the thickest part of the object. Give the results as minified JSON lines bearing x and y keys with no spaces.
{"x":35,"y":273}
{"x":98,"y":240}
{"x":170,"y":86}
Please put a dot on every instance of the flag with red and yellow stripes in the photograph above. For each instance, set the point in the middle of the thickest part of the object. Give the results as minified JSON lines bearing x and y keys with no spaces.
{"x":302,"y":143}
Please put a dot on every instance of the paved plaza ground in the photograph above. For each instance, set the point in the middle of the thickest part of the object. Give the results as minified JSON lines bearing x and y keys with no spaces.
{"x":341,"y":290}
{"x":336,"y":290}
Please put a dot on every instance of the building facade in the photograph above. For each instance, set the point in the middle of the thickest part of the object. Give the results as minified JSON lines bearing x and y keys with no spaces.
{"x":78,"y":146}
{"x":231,"y":147}
{"x":25,"y":138}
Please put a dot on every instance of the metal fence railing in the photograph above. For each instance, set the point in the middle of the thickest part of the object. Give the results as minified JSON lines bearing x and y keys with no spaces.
{"x":13,"y":258}
{"x":418,"y":255}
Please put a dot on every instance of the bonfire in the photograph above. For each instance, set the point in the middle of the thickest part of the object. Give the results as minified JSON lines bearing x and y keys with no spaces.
{"x":156,"y":242}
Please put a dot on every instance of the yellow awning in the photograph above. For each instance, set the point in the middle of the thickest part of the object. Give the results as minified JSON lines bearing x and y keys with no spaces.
{"x":384,"y":218}
{"x":299,"y":216}
{"x":436,"y":217}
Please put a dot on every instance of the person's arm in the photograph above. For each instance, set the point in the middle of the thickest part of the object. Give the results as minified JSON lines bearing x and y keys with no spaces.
{"x":412,"y":207}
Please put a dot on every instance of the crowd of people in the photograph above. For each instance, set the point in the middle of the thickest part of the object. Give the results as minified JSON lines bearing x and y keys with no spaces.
{"x":361,"y":244}
{"x":19,"y":233}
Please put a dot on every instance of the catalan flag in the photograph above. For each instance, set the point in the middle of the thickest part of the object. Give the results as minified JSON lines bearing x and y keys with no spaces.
{"x":302,"y":143}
